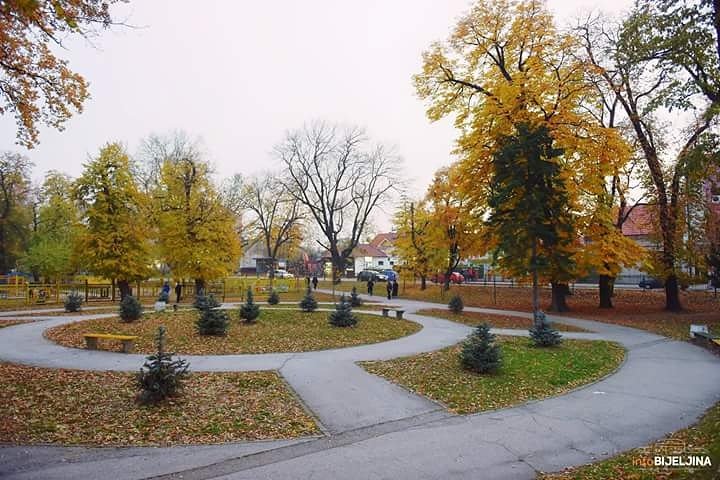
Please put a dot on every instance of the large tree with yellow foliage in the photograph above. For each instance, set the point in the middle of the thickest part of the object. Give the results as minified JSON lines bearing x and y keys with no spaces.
{"x":197,"y":236}
{"x":505,"y":64}
{"x":115,"y":238}
{"x":414,"y":226}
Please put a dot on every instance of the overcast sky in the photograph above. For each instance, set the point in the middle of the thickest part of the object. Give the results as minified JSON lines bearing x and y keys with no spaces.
{"x":238,"y":74}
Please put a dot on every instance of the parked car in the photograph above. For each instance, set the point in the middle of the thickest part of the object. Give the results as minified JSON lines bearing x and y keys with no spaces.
{"x":390,"y":275}
{"x":455,"y":277}
{"x":366,"y":275}
{"x":650,"y":283}
{"x":283,"y":274}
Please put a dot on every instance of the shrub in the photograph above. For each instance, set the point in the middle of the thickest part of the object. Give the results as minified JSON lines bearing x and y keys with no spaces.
{"x":456,"y":304}
{"x":342,"y":316}
{"x":250,"y":310}
{"x":308,"y":303}
{"x":130,"y":309}
{"x":205,"y":302}
{"x":160,"y":376}
{"x":355,"y":299}
{"x":73,"y":302}
{"x":212,"y":321}
{"x":542,"y":333}
{"x":479,"y":352}
{"x":274,"y":298}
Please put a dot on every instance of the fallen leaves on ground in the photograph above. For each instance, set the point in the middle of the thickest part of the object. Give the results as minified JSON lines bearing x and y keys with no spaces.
{"x":274,"y":331}
{"x":74,"y":407}
{"x":495,"y":321}
{"x":527,"y":373}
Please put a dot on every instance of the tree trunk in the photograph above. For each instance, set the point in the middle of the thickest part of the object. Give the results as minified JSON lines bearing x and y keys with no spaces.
{"x":124,"y":287}
{"x":559,"y":292}
{"x":423,"y":282}
{"x":606,"y":290}
{"x":535,"y":286}
{"x":672,"y":294}
{"x":199,"y":286}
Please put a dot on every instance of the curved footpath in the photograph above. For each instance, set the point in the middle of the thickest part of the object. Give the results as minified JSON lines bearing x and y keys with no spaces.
{"x":375,"y":429}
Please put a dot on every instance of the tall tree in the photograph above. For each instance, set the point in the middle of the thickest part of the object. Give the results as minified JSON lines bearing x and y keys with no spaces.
{"x":56,"y":229}
{"x":340,"y":179}
{"x":15,"y":212}
{"x":456,"y":225}
{"x":414,"y":226}
{"x":275,"y":215}
{"x":530,"y":218}
{"x":197,"y":236}
{"x":35,"y":85}
{"x":663,"y":57}
{"x":505,"y":64}
{"x":115,"y":239}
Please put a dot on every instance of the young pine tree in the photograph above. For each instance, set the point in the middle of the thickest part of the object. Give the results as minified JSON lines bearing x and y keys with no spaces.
{"x":355,"y":299}
{"x":73,"y":302}
{"x":161,"y":376}
{"x":308,"y":303}
{"x":456,"y":304}
{"x":130,"y":309}
{"x":274,"y":298}
{"x":542,"y":333}
{"x":342,"y":316}
{"x":250,"y":310}
{"x":479,"y":352}
{"x":212,"y":320}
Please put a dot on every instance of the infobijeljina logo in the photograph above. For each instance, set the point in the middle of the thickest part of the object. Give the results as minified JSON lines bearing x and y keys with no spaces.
{"x":672,"y":454}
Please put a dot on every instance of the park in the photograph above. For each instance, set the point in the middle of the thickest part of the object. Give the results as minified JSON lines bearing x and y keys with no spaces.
{"x":540,"y":303}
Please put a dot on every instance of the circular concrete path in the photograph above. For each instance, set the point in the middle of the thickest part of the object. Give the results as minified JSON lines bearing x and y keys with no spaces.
{"x":375,"y":429}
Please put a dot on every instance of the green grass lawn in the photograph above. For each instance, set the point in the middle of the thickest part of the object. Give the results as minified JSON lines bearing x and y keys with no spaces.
{"x":528,"y":373}
{"x":702,"y":438}
{"x":73,"y":407}
{"x":275,"y":331}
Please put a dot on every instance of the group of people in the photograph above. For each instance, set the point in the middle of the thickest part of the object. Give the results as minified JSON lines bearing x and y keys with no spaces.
{"x":391,"y":287}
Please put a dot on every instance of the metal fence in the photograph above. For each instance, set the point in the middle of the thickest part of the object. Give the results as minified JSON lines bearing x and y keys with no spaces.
{"x":233,"y":288}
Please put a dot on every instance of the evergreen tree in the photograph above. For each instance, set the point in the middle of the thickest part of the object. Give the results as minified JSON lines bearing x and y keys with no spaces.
{"x":308,"y":303}
{"x":130,"y":309}
{"x":355,"y":299}
{"x":212,"y":320}
{"x":274,"y":298}
{"x":479,"y":352}
{"x":250,"y":310}
{"x":342,"y":316}
{"x":542,"y":333}
{"x":456,"y":304}
{"x":161,"y":376}
{"x":73,"y":302}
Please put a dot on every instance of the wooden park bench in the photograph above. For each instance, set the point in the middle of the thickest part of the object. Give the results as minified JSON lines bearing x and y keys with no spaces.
{"x":398,"y":312}
{"x":128,"y":341}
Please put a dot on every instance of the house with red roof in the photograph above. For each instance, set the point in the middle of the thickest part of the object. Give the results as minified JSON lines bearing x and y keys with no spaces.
{"x":379,"y":254}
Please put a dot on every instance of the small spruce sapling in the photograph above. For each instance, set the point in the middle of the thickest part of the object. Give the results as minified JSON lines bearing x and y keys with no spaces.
{"x":73,"y":302}
{"x":456,"y":304}
{"x":130,"y":309}
{"x":249,"y":311}
{"x":212,"y":320}
{"x":542,"y":333}
{"x":274,"y":298}
{"x":479,"y":351}
{"x":308,"y":303}
{"x":355,"y":299}
{"x":342,"y":316}
{"x":160,"y":377}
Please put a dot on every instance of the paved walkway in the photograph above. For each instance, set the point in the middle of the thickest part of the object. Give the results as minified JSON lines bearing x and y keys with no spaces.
{"x":376,"y":429}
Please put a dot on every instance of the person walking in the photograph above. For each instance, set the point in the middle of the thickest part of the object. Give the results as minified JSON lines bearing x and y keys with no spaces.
{"x":370,"y":285}
{"x":389,"y":287}
{"x":314,"y":282}
{"x":178,"y":292}
{"x":395,"y":288}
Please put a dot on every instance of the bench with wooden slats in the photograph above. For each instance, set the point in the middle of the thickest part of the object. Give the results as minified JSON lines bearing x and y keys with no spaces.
{"x":128,"y":341}
{"x":398,"y":312}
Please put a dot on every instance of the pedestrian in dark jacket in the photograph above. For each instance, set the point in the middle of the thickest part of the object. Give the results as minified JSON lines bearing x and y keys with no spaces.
{"x":178,"y":292}
{"x":389,"y":287}
{"x":314,"y":282}
{"x":395,"y":288}
{"x":370,"y":285}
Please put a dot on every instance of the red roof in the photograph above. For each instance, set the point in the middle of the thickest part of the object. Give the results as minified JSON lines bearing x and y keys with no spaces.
{"x":382,"y":237}
{"x":639,"y":222}
{"x":367,"y":250}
